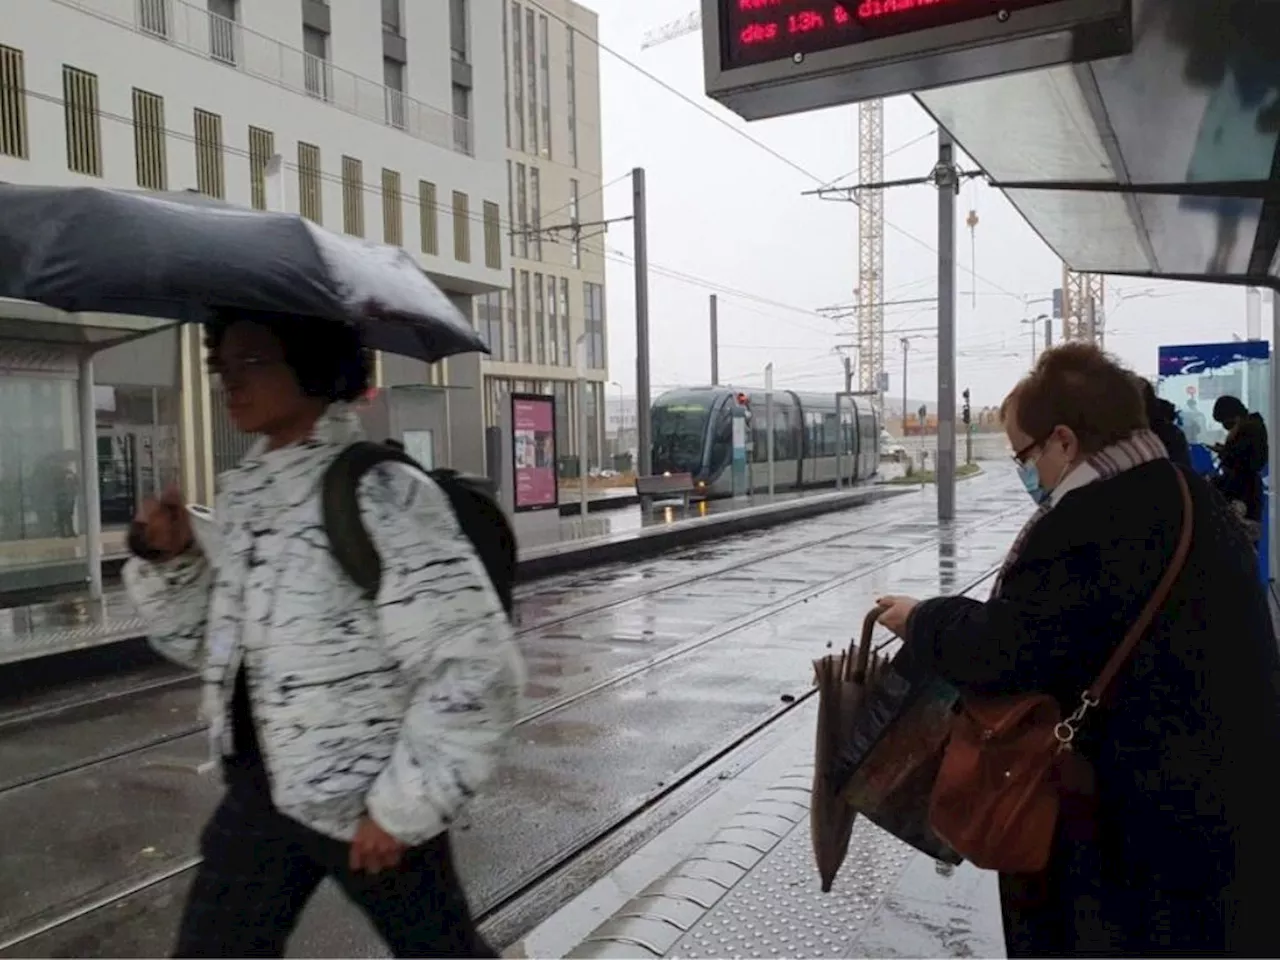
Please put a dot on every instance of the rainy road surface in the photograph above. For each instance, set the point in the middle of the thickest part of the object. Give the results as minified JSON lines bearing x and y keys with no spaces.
{"x":641,"y":677}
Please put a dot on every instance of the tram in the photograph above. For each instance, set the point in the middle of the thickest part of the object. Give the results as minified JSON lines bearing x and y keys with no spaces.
{"x":693,"y":433}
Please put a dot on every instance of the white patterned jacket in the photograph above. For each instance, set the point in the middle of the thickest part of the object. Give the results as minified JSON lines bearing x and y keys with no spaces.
{"x":395,"y":707}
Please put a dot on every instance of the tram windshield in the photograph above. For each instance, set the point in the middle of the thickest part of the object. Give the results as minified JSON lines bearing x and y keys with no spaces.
{"x":679,"y":430}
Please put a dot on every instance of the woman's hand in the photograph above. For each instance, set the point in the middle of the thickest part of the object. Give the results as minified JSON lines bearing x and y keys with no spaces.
{"x":895,"y":613}
{"x":164,"y":526}
{"x":373,"y":849}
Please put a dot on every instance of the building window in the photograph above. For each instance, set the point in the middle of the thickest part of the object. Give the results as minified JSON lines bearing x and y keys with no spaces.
{"x":315,"y":62}
{"x":506,"y":80}
{"x":575,"y":248}
{"x":492,"y":235}
{"x":84,"y":123}
{"x":566,"y":341}
{"x":461,"y":227}
{"x":535,"y":214}
{"x":392,"y":209}
{"x":540,"y":318}
{"x":544,"y":71}
{"x":571,"y":70}
{"x":309,"y":188}
{"x":462,"y":119}
{"x":352,"y":196}
{"x":517,"y":70}
{"x":513,"y":336}
{"x":522,"y":209}
{"x":393,"y":81}
{"x":531,"y":60}
{"x":489,"y":322}
{"x":391,"y":16}
{"x":526,"y":319}
{"x":153,"y":17}
{"x":149,"y":140}
{"x":593,"y":322}
{"x":553,"y":324}
{"x":223,"y":33}
{"x":210,"y":170}
{"x":428,"y":218}
{"x":13,"y":103}
{"x":458,"y":29}
{"x":262,"y":146}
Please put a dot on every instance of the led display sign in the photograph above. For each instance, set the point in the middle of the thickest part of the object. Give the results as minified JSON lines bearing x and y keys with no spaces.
{"x":769,"y":58}
{"x":757,"y":31}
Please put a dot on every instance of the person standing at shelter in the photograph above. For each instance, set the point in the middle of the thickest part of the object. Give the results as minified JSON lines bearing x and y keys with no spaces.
{"x":351,"y":731}
{"x":1242,"y":456}
{"x":1162,"y":416}
{"x":1178,"y":853}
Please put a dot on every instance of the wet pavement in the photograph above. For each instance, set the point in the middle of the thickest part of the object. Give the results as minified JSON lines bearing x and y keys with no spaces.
{"x":638,"y":674}
{"x":73,"y":622}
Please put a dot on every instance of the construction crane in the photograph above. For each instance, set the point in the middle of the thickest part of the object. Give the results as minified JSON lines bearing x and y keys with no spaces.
{"x":869,"y":332}
{"x":1084,"y":314}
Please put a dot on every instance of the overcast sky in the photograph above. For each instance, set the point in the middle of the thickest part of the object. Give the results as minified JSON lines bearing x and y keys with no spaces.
{"x":726,"y":216}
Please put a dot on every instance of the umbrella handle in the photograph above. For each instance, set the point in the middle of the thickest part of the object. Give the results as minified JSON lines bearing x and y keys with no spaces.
{"x":862,"y":659}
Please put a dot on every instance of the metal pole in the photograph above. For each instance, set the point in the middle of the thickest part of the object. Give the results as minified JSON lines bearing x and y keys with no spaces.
{"x":945,"y":467}
{"x":91,"y":506}
{"x":583,"y":492}
{"x":1253,"y":314}
{"x":768,"y":416}
{"x":644,"y":455}
{"x":839,"y":444}
{"x":848,"y":375}
{"x":1090,"y":320}
{"x":1048,"y":332}
{"x":715,"y":344}
{"x":906,"y":343}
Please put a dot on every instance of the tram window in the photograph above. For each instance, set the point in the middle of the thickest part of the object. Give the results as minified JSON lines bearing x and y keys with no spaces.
{"x":830,"y":434}
{"x":782,"y":445}
{"x":722,"y":439}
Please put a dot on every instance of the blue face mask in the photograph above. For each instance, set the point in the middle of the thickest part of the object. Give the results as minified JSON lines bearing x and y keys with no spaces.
{"x":1030,"y":478}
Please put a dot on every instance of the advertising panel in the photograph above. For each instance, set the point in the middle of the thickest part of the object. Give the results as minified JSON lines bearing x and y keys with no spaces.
{"x":533,"y":451}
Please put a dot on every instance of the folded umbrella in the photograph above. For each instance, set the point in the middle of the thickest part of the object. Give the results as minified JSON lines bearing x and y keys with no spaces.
{"x":841,"y":680}
{"x":184,"y":256}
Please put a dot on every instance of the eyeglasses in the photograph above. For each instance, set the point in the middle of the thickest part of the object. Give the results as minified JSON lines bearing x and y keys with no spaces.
{"x":240,"y":367}
{"x":1020,"y":456}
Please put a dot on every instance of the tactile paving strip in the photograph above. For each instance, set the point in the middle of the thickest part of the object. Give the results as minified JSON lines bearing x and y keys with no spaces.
{"x":42,"y":642}
{"x":753,"y":890}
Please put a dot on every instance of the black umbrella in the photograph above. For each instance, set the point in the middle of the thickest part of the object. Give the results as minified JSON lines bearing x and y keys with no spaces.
{"x":180,"y":256}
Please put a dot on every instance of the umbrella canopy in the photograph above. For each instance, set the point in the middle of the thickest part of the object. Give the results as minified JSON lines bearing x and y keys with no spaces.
{"x":181,"y":256}
{"x":841,"y":680}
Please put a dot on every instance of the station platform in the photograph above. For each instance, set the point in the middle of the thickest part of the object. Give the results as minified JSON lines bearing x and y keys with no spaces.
{"x":71,"y":621}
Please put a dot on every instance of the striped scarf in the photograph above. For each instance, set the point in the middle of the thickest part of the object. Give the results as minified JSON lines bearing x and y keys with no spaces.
{"x":1141,"y":446}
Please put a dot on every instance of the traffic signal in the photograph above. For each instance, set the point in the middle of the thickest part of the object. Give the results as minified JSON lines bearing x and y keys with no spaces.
{"x":964,"y":414}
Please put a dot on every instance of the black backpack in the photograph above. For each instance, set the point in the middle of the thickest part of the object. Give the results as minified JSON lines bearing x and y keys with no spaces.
{"x":478,"y":512}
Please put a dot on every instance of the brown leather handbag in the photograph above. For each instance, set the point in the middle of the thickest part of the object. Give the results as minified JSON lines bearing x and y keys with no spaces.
{"x":999,"y":791}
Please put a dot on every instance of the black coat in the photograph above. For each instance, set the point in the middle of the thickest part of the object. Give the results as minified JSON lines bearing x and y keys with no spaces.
{"x":1164,"y":425}
{"x":1188,"y":837}
{"x":1241,"y":461}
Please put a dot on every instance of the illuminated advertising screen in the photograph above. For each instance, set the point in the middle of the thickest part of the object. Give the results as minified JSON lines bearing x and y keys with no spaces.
{"x":760,"y":31}
{"x":533,"y":451}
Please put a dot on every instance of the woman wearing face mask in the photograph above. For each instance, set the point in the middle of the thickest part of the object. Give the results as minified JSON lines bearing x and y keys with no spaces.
{"x":1180,"y":852}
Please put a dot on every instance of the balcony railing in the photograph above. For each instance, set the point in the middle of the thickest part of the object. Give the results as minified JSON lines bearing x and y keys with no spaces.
{"x":196,"y":30}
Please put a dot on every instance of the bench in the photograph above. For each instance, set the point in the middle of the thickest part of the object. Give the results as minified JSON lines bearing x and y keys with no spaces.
{"x":665,"y":486}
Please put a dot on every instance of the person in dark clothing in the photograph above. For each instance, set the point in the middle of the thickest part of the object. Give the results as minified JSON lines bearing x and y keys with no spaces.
{"x":1162,"y":417}
{"x":1242,"y":456}
{"x":1180,"y":853}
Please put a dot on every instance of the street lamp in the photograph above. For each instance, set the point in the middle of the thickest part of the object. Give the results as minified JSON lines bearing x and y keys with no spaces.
{"x":622,"y":418}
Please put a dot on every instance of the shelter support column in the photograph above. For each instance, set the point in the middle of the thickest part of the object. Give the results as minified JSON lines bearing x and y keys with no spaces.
{"x":1272,"y":533}
{"x":89,"y":475}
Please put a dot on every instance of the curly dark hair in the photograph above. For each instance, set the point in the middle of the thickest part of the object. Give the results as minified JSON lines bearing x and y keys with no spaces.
{"x":328,"y":358}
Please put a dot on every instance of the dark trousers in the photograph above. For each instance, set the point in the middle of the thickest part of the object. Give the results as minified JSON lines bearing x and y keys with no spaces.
{"x":260,"y":868}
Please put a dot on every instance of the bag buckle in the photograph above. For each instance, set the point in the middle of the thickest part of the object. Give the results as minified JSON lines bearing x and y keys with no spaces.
{"x":1065,"y":731}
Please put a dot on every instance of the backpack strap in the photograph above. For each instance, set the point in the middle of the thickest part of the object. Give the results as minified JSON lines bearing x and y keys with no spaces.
{"x":350,"y":542}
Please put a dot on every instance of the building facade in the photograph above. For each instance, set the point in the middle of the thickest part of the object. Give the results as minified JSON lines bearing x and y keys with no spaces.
{"x":550,"y":316}
{"x":388,"y":117}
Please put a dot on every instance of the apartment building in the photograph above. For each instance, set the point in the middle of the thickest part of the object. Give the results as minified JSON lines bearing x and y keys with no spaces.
{"x":554,"y":292}
{"x":389,"y":118}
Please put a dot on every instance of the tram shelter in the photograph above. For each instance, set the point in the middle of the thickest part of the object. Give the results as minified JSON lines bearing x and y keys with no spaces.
{"x":1136,"y":137}
{"x":45,"y":350}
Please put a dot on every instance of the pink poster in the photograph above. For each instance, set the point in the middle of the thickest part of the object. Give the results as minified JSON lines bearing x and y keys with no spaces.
{"x":533,"y":441}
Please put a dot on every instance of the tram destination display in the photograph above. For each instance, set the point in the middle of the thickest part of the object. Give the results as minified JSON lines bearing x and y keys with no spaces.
{"x":767,"y":58}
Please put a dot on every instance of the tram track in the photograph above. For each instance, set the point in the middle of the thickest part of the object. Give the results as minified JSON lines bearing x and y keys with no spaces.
{"x":17,"y":720}
{"x":195,"y":726}
{"x":506,"y":899}
{"x":502,"y":915}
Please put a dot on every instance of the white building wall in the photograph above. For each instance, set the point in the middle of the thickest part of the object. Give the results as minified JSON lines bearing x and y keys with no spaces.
{"x":101,"y":36}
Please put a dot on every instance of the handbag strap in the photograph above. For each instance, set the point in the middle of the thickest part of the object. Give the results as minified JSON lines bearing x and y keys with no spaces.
{"x":1122,"y":653}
